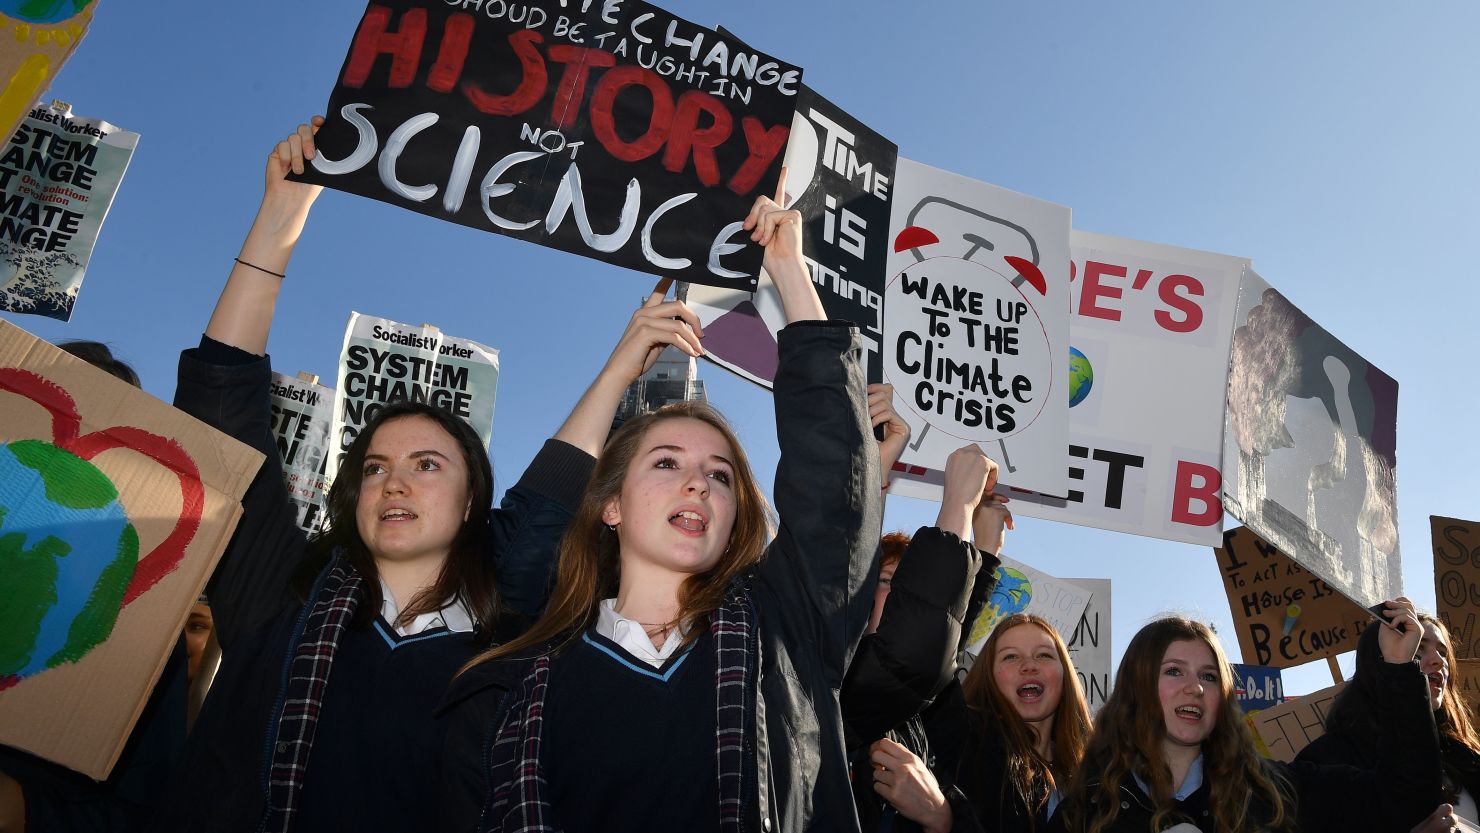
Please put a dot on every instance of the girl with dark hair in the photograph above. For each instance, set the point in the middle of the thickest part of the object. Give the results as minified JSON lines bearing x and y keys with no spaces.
{"x":1171,"y":750}
{"x":685,"y":673}
{"x":322,"y":715}
{"x":1352,"y":725}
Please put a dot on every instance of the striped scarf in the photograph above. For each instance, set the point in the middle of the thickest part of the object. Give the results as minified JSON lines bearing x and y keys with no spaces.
{"x":517,"y":785}
{"x":327,"y":616}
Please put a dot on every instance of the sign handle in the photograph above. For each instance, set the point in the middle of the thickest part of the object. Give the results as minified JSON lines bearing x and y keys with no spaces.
{"x":1335,"y":669}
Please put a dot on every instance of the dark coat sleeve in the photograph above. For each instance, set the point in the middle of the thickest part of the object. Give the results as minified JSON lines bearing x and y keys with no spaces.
{"x":821,"y":568}
{"x":1405,"y":785}
{"x":252,"y":582}
{"x":910,"y":658}
{"x":530,"y":521}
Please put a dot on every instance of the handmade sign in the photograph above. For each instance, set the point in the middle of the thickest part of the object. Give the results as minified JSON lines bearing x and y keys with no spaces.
{"x":1257,"y":687}
{"x":976,"y":329}
{"x":612,"y":130}
{"x":40,"y":38}
{"x":114,"y":509}
{"x":839,"y":175}
{"x":1282,"y":731}
{"x":1464,"y":677}
{"x":302,"y":411}
{"x":1457,"y":581}
{"x":385,"y":361}
{"x":1023,"y":589}
{"x":1284,"y":615}
{"x":1148,"y":365}
{"x":1310,"y":451}
{"x":1089,"y":645}
{"x":58,"y":176}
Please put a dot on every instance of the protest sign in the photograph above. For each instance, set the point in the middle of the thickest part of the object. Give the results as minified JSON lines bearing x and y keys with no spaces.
{"x":612,"y":130}
{"x":1023,"y":589}
{"x":839,"y":175}
{"x":1465,"y":679}
{"x":384,"y":361}
{"x":1148,"y":366}
{"x":1457,"y":581}
{"x":1284,"y":615}
{"x":1089,"y":644}
{"x":58,"y":176}
{"x":302,"y":412}
{"x":1310,"y":450}
{"x":1257,"y":687}
{"x":1282,"y":731}
{"x":114,"y":509}
{"x":976,"y":329}
{"x":42,"y":36}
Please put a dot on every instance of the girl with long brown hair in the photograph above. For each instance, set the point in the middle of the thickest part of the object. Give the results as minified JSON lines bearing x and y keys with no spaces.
{"x":1171,"y":750}
{"x":685,"y":673}
{"x":1352,"y":725}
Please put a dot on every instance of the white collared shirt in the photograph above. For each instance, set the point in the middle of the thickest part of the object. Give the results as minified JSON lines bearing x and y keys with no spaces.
{"x":454,"y":615}
{"x":629,"y":634}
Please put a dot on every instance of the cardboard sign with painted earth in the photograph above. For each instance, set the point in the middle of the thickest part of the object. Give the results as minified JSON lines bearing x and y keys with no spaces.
{"x":970,"y":355}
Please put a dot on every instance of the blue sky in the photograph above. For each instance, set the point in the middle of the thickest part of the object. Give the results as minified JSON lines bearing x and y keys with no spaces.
{"x":1331,"y":143}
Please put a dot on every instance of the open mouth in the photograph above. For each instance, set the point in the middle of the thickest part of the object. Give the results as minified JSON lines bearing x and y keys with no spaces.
{"x":1030,"y":692}
{"x":689,"y":521}
{"x":1436,"y":680}
{"x":1191,"y":713}
{"x":398,"y":515}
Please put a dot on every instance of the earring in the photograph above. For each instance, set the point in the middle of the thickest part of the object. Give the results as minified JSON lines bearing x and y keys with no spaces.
{"x":612,"y":527}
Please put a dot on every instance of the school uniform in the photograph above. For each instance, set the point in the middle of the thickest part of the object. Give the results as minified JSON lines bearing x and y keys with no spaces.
{"x":313,"y":722}
{"x":757,"y":744}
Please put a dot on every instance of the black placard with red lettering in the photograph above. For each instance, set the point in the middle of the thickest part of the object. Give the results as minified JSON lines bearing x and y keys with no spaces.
{"x":619,"y":132}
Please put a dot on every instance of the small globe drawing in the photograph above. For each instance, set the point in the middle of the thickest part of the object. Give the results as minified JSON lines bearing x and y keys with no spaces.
{"x":67,"y":551}
{"x":43,"y":11}
{"x":1011,"y":595}
{"x":1081,"y":376}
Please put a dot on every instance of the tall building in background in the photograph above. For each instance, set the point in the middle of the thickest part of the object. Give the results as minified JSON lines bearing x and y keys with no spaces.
{"x":673,"y":378}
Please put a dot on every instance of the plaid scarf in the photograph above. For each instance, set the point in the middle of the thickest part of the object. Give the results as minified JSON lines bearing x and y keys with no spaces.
{"x":328,"y":614}
{"x":517,"y":786}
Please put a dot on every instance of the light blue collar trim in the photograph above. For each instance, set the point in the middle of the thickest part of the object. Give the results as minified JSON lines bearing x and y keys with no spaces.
{"x":1190,"y":784}
{"x":644,"y":670}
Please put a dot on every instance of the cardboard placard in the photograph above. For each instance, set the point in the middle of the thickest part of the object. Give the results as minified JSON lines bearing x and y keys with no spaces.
{"x":1310,"y":450}
{"x":1150,"y":324}
{"x":1024,"y":589}
{"x":1457,"y":581}
{"x":1089,"y":645}
{"x":612,"y":130}
{"x":1464,"y":675}
{"x":42,"y":36}
{"x":58,"y":176}
{"x":1282,"y":731}
{"x":976,"y":329}
{"x":839,"y":175}
{"x":385,"y":361}
{"x":302,"y":412}
{"x":1284,"y":614}
{"x":114,"y":508}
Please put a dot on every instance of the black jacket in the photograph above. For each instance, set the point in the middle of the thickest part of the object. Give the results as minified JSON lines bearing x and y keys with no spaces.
{"x":1399,"y":792}
{"x":812,"y":592}
{"x":1352,"y":728}
{"x":221,"y":784}
{"x":900,"y":668}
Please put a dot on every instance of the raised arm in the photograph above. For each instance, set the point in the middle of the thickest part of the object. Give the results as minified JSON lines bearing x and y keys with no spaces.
{"x":243,"y":315}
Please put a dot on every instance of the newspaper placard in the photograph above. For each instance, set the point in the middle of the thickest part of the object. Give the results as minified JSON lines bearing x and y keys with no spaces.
{"x":1089,"y":645}
{"x":613,"y":130}
{"x":1310,"y":449}
{"x":302,"y":413}
{"x":839,"y":175}
{"x":1457,"y":581}
{"x":976,"y":329}
{"x":1282,"y":731}
{"x":385,"y":361}
{"x":1148,"y":366}
{"x":58,"y":176}
{"x":1023,"y":589}
{"x":114,"y":508}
